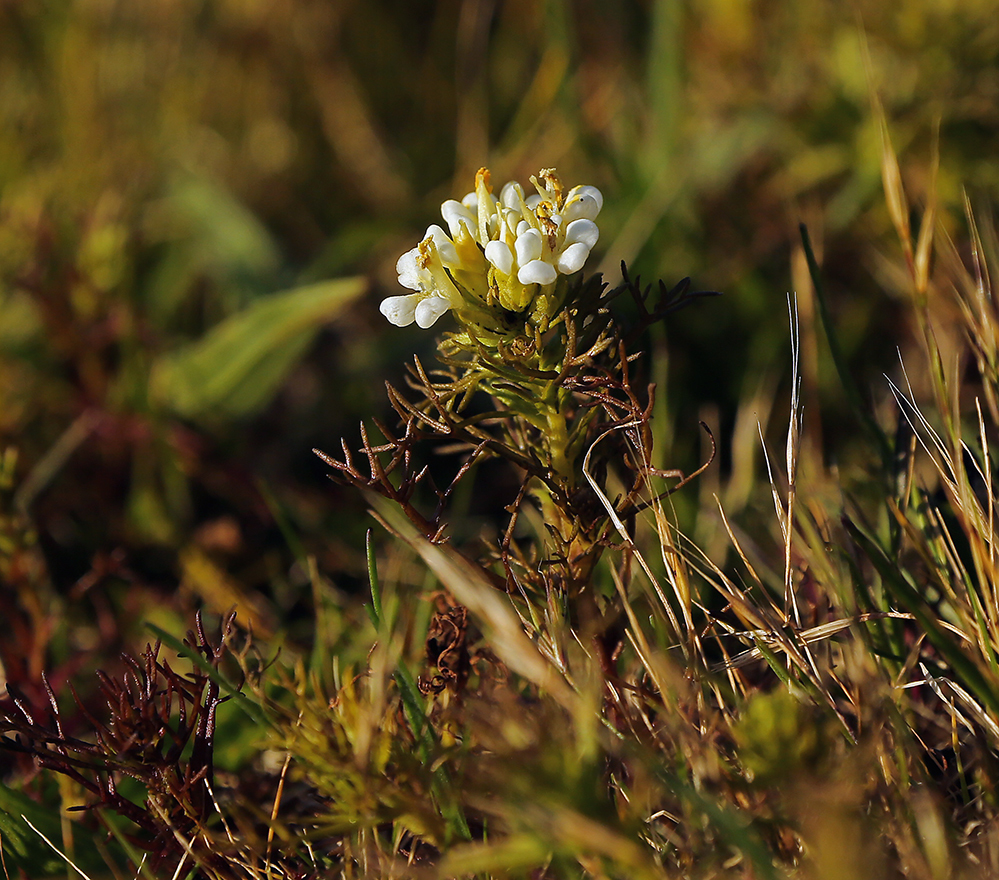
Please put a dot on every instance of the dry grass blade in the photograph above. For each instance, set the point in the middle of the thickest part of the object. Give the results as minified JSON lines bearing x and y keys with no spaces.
{"x":69,"y":862}
{"x":807,"y":636}
{"x":891,"y":177}
{"x":793,"y":447}
{"x":681,"y":632}
{"x":490,"y":608}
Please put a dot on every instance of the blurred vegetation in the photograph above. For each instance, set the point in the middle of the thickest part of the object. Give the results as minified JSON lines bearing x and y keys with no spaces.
{"x":201,"y":204}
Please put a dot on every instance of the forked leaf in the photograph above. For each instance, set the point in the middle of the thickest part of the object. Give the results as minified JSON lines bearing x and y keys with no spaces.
{"x":231,"y":690}
{"x":238,"y":366}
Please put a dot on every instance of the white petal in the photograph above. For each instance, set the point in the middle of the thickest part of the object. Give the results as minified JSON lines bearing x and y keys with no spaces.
{"x":500,"y":255}
{"x":511,"y":194}
{"x":509,"y":215}
{"x":454,"y":213}
{"x":523,"y":226}
{"x":400,"y":310}
{"x":471,"y":201}
{"x":533,"y":201}
{"x":409,"y":272}
{"x":528,"y":246}
{"x":585,"y":231}
{"x":537,"y":272}
{"x":584,"y":207}
{"x":572,"y":258}
{"x":445,"y":247}
{"x":492,"y":226}
{"x":590,"y":191}
{"x":430,"y":310}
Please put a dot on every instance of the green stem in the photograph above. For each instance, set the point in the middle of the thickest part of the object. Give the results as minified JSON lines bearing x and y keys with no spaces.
{"x":558,"y":442}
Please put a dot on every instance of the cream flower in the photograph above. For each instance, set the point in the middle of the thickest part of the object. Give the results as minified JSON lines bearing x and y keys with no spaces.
{"x":422,"y":270}
{"x":504,"y":250}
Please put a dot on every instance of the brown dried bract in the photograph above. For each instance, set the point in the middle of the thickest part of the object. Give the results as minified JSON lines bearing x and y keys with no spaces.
{"x":447,"y":650}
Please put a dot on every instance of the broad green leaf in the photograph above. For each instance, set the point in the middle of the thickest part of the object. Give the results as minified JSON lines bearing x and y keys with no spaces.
{"x":207,"y":233}
{"x":237,"y":367}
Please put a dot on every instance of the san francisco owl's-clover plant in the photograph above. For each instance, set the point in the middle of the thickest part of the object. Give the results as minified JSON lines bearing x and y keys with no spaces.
{"x":540,"y":342}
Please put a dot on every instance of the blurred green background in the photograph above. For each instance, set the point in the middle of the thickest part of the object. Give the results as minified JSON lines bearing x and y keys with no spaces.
{"x":202,"y":203}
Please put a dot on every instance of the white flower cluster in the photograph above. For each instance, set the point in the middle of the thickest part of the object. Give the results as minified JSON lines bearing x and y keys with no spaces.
{"x":497,"y":250}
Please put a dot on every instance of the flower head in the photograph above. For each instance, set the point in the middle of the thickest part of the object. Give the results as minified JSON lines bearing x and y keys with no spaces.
{"x":499,"y":255}
{"x":422,"y":270}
